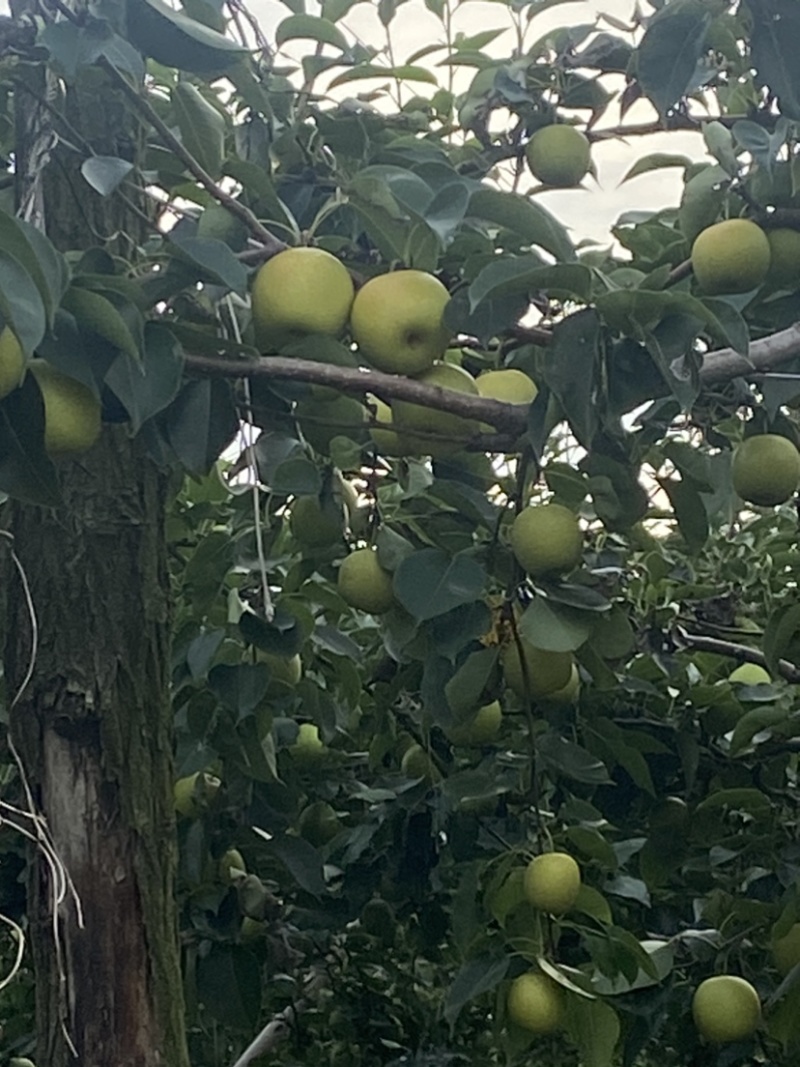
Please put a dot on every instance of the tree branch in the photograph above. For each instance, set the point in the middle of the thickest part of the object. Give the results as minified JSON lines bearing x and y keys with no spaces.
{"x":765,"y":354}
{"x":787,"y":670}
{"x":278,"y":1028}
{"x":244,"y":214}
{"x":510,"y":419}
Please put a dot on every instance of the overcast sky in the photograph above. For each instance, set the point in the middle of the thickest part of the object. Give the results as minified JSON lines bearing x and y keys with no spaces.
{"x":591,"y":211}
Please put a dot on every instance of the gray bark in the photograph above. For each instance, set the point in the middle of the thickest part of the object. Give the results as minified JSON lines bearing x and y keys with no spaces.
{"x":94,"y":723}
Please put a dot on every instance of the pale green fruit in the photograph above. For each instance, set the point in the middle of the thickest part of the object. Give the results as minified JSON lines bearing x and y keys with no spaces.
{"x":396,"y":321}
{"x":308,"y":745}
{"x":536,"y":1003}
{"x":786,"y":950}
{"x":546,"y":539}
{"x":730,"y":257}
{"x":784,"y":266}
{"x":12,"y":362}
{"x":194,"y":793}
{"x":559,"y":156}
{"x":20,"y":1061}
{"x":252,"y":929}
{"x":387,"y":442}
{"x":318,"y":823}
{"x":282,"y":669}
{"x":71,"y":411}
{"x":481,"y":728}
{"x":364,"y":584}
{"x":552,"y":882}
{"x":508,"y":895}
{"x":510,"y":385}
{"x":321,"y":421}
{"x":569,"y":693}
{"x":726,"y":1008}
{"x":416,"y":763}
{"x":750,"y":674}
{"x":547,"y":671}
{"x":316,"y":526}
{"x":231,"y":865}
{"x":766,"y":469}
{"x":433,"y":432}
{"x":305,"y":290}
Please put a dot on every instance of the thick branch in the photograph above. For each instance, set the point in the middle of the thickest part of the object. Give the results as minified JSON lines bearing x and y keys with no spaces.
{"x":765,"y":354}
{"x":742,"y":653}
{"x":510,"y":418}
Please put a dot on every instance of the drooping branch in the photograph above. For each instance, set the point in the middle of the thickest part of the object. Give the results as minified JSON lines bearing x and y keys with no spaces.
{"x":510,"y":419}
{"x":742,"y":653}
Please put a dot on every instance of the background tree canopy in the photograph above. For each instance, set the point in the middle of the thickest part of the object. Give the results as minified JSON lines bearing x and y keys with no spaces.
{"x":360,"y":626}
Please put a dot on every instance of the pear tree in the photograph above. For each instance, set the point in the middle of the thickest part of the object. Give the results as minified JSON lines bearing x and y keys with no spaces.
{"x":399,"y":593}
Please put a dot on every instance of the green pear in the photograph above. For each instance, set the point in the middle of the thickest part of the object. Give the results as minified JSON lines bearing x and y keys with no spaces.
{"x":301,"y":290}
{"x":71,"y":410}
{"x":12,"y":362}
{"x":396,"y":321}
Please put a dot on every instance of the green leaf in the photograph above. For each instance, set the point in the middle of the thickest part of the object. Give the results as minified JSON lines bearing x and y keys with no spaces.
{"x":26,"y":472}
{"x":690,"y":511}
{"x":666,"y":59}
{"x":529,"y":221}
{"x":655,"y":161}
{"x":149,"y":385}
{"x":21,"y":303}
{"x":407,"y":73}
{"x":595,"y":1028}
{"x":201,"y":125}
{"x":36,"y":255}
{"x":175,"y":40}
{"x":105,"y":173}
{"x":239,"y":688}
{"x":201,"y":421}
{"x":283,"y":636}
{"x":780,"y":636}
{"x":229,"y":985}
{"x":302,"y":861}
{"x":476,"y":977}
{"x":775,"y":36}
{"x":528,"y":274}
{"x":752,"y":723}
{"x":73,"y":47}
{"x":310,"y":27}
{"x":95,"y":312}
{"x":430,"y":582}
{"x":569,"y":759}
{"x":215,"y":260}
{"x":570,"y":370}
{"x":554,"y":627}
{"x":464,"y":689}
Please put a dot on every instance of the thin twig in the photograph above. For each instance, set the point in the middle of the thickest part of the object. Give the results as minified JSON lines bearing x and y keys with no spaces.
{"x":244,"y":214}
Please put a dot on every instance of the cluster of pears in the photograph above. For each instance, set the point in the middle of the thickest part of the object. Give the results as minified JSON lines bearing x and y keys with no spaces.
{"x":737,"y":256}
{"x":396,"y":321}
{"x":551,"y":883}
{"x":71,"y":410}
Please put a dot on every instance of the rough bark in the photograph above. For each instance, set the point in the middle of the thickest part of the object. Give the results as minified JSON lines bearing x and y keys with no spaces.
{"x":94,"y":723}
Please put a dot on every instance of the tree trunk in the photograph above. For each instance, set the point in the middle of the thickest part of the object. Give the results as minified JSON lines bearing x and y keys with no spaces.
{"x":94,"y":722}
